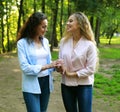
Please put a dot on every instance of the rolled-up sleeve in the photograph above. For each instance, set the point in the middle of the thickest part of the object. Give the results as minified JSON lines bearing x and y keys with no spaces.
{"x":26,"y":65}
{"x":91,"y":61}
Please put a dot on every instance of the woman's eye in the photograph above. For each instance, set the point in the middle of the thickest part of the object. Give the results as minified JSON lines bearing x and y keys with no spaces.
{"x":70,"y":21}
{"x":44,"y":27}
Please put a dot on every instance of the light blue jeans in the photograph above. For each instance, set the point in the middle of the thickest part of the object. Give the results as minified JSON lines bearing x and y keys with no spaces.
{"x":38,"y":102}
{"x":78,"y":98}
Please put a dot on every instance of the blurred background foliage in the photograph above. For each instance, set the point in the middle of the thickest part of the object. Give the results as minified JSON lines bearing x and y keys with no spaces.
{"x":103,"y":15}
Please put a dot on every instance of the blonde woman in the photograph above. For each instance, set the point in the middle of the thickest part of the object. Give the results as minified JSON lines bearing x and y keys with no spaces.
{"x":79,"y":54}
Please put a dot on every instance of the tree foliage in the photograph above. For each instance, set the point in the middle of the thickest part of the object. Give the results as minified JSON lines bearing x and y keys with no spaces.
{"x":103,"y":15}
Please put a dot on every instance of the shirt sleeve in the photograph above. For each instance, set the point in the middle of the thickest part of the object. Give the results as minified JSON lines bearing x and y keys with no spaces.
{"x":26,"y":66}
{"x":91,"y":61}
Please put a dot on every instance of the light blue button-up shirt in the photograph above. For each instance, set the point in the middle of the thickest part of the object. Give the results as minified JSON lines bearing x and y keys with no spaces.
{"x":30,"y":68}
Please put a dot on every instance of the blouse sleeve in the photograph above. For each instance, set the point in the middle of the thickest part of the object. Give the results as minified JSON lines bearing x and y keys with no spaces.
{"x":90,"y":62}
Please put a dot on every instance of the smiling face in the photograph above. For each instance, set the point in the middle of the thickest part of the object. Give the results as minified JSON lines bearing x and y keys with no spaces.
{"x":72,"y":24}
{"x":42,"y":28}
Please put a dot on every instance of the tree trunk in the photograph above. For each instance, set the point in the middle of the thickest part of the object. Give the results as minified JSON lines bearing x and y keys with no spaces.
{"x":91,"y":21}
{"x":43,"y":6}
{"x":112,"y":33}
{"x":69,"y":8}
{"x":61,"y":17}
{"x":34,"y":5}
{"x":2,"y":27}
{"x":97,"y":31}
{"x":7,"y":16}
{"x":20,"y":13}
{"x":53,"y":40}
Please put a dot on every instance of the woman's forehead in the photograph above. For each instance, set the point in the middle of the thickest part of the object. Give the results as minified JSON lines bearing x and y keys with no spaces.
{"x":72,"y":17}
{"x":45,"y":21}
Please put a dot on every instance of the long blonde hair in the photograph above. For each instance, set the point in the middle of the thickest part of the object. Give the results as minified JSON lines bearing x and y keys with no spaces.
{"x":85,"y":31}
{"x":85,"y":27}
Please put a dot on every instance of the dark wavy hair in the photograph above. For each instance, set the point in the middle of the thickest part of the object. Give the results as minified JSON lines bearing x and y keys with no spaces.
{"x":28,"y":30}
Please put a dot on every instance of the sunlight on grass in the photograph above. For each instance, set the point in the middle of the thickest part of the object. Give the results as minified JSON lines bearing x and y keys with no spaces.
{"x":114,"y":40}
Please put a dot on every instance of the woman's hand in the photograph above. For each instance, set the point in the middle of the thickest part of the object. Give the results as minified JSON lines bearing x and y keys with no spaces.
{"x":48,"y":66}
{"x":59,"y":66}
{"x":70,"y":74}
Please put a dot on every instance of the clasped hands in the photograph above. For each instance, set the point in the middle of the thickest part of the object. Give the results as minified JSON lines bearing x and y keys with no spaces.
{"x":60,"y":67}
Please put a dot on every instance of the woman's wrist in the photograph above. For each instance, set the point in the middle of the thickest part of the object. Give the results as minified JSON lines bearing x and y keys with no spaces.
{"x":71,"y":73}
{"x":47,"y":66}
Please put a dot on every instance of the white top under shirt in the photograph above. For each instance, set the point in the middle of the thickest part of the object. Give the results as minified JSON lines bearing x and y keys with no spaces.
{"x":41,"y":55}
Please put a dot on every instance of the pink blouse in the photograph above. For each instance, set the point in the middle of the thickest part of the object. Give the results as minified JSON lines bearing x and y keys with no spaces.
{"x":80,"y":59}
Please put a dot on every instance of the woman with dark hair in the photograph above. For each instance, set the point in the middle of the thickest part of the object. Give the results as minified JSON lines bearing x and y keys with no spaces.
{"x":35,"y":63}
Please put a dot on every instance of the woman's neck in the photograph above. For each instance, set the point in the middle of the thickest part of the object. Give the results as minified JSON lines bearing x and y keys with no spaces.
{"x":37,"y":40}
{"x":76,"y":36}
{"x":38,"y":43}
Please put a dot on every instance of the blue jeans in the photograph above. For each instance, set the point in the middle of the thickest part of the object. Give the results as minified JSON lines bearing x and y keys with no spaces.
{"x":38,"y":102}
{"x":78,"y":98}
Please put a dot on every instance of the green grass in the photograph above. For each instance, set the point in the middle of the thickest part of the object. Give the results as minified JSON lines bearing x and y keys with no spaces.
{"x":109,"y":85}
{"x":114,"y":40}
{"x":54,"y":55}
{"x":109,"y":53}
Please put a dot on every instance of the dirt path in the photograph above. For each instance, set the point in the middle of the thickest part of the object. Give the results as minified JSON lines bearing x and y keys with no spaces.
{"x":11,"y":97}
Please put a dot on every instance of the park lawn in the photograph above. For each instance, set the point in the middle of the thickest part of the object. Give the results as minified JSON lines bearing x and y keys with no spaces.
{"x":114,"y":40}
{"x":107,"y":79}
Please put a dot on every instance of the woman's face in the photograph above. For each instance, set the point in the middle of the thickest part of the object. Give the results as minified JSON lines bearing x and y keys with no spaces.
{"x":42,"y":28}
{"x":72,"y":24}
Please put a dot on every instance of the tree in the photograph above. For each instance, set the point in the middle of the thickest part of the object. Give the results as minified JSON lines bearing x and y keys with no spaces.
{"x":91,"y":8}
{"x":53,"y":40}
{"x":111,"y":22}
{"x":43,"y":6}
{"x":103,"y":15}
{"x":34,"y":5}
{"x":61,"y":18}
{"x":2,"y":25}
{"x":20,"y":14}
{"x":97,"y":31}
{"x":8,"y":9}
